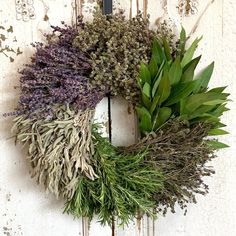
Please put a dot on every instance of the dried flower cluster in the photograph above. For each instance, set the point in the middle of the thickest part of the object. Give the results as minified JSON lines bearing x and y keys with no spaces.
{"x":25,"y":10}
{"x":188,"y":7}
{"x":59,"y":74}
{"x":116,"y":46}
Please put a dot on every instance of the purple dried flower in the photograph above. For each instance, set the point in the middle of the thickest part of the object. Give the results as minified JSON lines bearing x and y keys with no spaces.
{"x":59,"y":74}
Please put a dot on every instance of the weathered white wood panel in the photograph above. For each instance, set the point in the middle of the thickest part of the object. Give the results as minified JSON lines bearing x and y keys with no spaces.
{"x":25,"y":209}
{"x":214,"y":214}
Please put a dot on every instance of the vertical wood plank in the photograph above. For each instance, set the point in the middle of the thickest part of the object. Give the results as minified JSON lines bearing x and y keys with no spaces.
{"x":205,"y":218}
{"x":86,"y":8}
{"x":101,"y":116}
{"x":210,"y":23}
{"x":123,"y":117}
{"x":25,"y":207}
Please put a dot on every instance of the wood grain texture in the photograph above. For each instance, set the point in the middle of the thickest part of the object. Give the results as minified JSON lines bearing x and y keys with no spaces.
{"x":25,"y":209}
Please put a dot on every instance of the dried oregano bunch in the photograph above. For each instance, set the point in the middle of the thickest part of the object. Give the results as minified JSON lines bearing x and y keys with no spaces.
{"x":111,"y":55}
{"x":116,"y":47}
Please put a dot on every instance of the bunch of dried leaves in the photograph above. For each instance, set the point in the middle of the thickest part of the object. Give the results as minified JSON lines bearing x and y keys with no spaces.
{"x":59,"y":148}
{"x":116,"y":47}
{"x":181,"y":152}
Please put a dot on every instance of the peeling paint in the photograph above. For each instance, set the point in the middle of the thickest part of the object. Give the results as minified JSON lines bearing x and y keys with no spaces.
{"x":106,"y":125}
{"x":117,"y":6}
{"x":138,"y":223}
{"x":188,"y":7}
{"x":46,"y":9}
{"x":137,"y":6}
{"x":10,"y":228}
{"x":73,"y":13}
{"x":46,"y":18}
{"x":7,"y":43}
{"x":7,"y":231}
{"x":80,"y":4}
{"x":25,"y":10}
{"x":129,"y":110}
{"x":130,"y":9}
{"x":8,"y":197}
{"x":164,"y":6}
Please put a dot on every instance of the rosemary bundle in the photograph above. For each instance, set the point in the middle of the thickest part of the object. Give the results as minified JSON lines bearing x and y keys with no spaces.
{"x":124,"y":186}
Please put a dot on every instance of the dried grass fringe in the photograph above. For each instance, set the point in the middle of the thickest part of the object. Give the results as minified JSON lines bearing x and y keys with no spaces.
{"x":59,"y":149}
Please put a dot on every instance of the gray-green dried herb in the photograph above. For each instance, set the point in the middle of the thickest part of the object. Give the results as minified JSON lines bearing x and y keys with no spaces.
{"x":116,"y":47}
{"x":59,"y":148}
{"x":182,"y":153}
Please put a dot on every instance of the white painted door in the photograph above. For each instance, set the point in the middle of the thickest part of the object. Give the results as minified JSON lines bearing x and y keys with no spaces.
{"x":25,"y":209}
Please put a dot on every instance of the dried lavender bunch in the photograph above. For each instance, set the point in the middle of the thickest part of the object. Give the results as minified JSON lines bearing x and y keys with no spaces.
{"x":181,"y":152}
{"x":58,"y":74}
{"x":59,"y":148}
{"x":116,"y":46}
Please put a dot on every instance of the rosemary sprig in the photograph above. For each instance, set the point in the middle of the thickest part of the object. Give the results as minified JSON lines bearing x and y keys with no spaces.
{"x":124,"y":187}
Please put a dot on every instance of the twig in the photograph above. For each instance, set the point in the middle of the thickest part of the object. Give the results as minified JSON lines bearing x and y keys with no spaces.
{"x":200,"y":17}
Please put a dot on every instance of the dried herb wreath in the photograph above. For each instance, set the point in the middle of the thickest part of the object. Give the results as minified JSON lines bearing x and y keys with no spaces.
{"x":177,"y":113}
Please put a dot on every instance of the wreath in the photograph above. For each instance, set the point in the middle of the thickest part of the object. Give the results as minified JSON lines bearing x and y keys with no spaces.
{"x":177,"y":114}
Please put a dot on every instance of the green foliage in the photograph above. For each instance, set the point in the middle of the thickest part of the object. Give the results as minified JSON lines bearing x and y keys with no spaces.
{"x":182,"y":152}
{"x":214,"y":144}
{"x":170,"y":88}
{"x":125,"y":185}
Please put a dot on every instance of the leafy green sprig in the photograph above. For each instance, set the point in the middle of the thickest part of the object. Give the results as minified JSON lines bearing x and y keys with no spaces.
{"x":170,"y":89}
{"x":125,"y":185}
